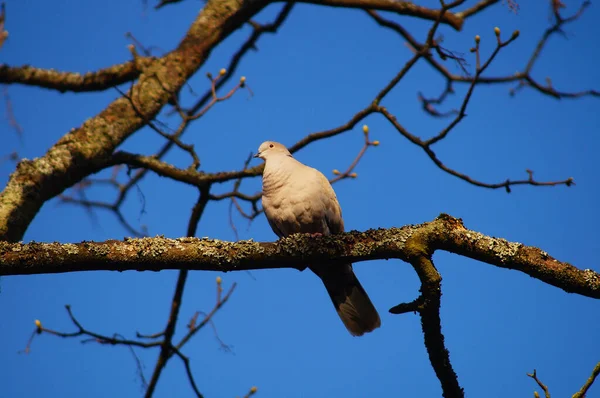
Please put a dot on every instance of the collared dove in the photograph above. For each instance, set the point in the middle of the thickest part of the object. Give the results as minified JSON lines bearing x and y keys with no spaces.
{"x":299,"y":199}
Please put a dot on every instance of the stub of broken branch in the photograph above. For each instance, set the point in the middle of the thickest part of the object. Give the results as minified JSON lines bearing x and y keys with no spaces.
{"x":158,"y":253}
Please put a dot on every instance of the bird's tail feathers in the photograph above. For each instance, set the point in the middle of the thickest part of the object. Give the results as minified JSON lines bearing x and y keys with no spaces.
{"x":350,"y":300}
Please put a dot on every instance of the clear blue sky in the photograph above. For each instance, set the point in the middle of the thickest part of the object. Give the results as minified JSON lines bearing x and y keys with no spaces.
{"x":322,"y":67}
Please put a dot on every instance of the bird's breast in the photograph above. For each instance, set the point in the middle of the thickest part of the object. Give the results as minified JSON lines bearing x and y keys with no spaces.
{"x":293,"y":205}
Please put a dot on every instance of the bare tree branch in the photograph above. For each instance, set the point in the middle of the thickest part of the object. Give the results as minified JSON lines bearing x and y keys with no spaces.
{"x":156,"y":82}
{"x":399,"y":7}
{"x":482,"y":5}
{"x":79,"y":153}
{"x":542,"y":385}
{"x":414,"y":244}
{"x":152,"y":254}
{"x":588,"y":383}
{"x":71,"y":81}
{"x":162,"y":3}
{"x":118,"y":340}
{"x":250,"y":44}
{"x":431,"y":324}
{"x":91,"y":336}
{"x":579,"y":394}
{"x":523,"y":78}
{"x":164,"y":169}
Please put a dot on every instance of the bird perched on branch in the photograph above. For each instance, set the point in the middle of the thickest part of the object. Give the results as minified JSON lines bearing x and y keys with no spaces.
{"x":299,"y":199}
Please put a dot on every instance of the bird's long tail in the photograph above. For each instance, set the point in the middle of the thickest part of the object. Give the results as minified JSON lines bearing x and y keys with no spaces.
{"x":349,"y":299}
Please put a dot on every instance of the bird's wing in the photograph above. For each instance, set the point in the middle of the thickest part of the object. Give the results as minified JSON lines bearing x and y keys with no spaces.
{"x":333,"y":211}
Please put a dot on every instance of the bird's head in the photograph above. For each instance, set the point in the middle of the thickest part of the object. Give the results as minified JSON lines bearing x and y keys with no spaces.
{"x":271,"y":148}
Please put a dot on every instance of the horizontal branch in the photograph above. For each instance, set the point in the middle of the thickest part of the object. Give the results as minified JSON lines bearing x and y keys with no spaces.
{"x":398,"y":7}
{"x":155,"y":254}
{"x":72,"y":81}
{"x":188,"y":176}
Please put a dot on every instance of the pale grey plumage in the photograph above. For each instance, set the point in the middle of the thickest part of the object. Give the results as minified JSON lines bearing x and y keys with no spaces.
{"x":299,"y":199}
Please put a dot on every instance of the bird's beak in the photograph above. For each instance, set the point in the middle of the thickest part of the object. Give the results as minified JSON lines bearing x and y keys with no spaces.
{"x":257,"y":155}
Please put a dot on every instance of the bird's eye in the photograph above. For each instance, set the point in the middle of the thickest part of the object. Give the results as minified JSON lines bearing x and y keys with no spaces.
{"x":271,"y":146}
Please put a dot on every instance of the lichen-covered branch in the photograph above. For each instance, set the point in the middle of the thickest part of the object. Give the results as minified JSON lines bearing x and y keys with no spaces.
{"x":588,"y":383}
{"x":83,"y":151}
{"x":428,"y":305}
{"x":147,"y":163}
{"x":153,"y":254}
{"x":415,"y":244}
{"x":579,"y":394}
{"x":71,"y":81}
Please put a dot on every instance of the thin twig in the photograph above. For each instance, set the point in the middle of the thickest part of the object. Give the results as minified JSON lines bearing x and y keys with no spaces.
{"x":542,"y":385}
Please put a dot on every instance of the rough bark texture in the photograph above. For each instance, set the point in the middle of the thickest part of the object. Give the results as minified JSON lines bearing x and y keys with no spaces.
{"x":84,"y":150}
{"x":69,"y":81}
{"x":91,"y":148}
{"x":407,"y":243}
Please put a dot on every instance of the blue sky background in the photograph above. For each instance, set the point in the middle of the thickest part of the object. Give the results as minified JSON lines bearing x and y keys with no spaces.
{"x":322,"y":67}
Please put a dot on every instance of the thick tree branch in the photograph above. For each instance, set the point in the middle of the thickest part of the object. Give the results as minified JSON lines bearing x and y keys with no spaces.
{"x":249,"y":44}
{"x":82,"y":151}
{"x":153,"y":254}
{"x":71,"y":81}
{"x":91,"y":147}
{"x":429,"y":304}
{"x":153,"y":163}
{"x":415,"y":244}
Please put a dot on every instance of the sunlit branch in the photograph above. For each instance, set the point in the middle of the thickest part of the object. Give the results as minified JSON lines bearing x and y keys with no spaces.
{"x":72,"y":81}
{"x":153,"y":254}
{"x":399,"y":7}
{"x":146,"y":163}
{"x":588,"y":383}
